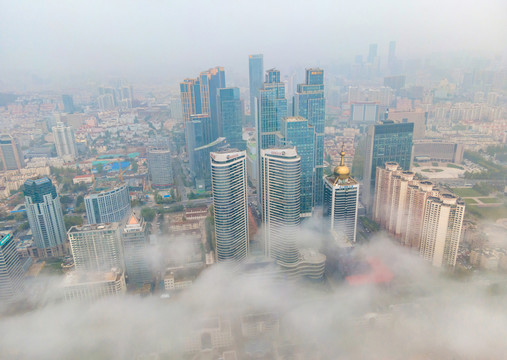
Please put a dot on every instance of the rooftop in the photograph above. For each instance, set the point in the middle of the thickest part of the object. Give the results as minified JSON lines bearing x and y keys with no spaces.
{"x":4,"y":237}
{"x":81,"y":278}
{"x":92,"y":227}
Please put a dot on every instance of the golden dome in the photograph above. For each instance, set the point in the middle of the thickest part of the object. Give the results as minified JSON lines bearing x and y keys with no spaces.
{"x":341,"y":171}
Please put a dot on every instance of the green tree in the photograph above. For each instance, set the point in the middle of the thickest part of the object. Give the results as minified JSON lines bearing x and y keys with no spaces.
{"x":134,"y":166}
{"x":72,"y":220}
{"x":100,"y":168}
{"x":24,"y":226}
{"x":148,"y":214}
{"x":65,"y":199}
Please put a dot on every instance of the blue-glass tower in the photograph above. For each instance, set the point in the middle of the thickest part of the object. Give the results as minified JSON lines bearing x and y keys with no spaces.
{"x":385,"y":142}
{"x":272,"y":106}
{"x":230,"y":117}
{"x":272,"y":109}
{"x":295,"y":131}
{"x":255,"y":72}
{"x":309,"y":102}
{"x":199,"y":97}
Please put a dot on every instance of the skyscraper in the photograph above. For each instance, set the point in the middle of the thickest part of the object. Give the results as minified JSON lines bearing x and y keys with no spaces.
{"x":159,"y":165}
{"x":45,"y":217}
{"x":391,"y":58}
{"x":190,"y":98}
{"x":11,"y":271}
{"x":199,"y":96}
{"x":134,"y":236}
{"x":230,"y":204}
{"x":255,"y":72}
{"x":10,"y":153}
{"x":64,"y":141}
{"x":295,"y":131}
{"x":372,"y":53}
{"x":110,"y":205}
{"x":281,"y":203}
{"x":230,"y":117}
{"x":341,"y":196}
{"x":441,"y":231}
{"x":309,"y":102}
{"x":201,"y":163}
{"x":272,"y":109}
{"x":68,"y":104}
{"x":96,"y":247}
{"x":385,"y":142}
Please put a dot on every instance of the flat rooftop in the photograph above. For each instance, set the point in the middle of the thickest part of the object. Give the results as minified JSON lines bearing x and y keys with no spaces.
{"x":92,"y":227}
{"x":81,"y":278}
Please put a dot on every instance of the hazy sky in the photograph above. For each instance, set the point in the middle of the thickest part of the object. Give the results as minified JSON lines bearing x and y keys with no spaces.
{"x":176,"y":39}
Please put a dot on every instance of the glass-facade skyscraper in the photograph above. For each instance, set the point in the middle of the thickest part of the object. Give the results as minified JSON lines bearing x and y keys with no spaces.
{"x":309,"y":103}
{"x":295,"y":131}
{"x":134,"y":237}
{"x":255,"y":72}
{"x":45,"y":216}
{"x":10,"y":153}
{"x":272,"y":106}
{"x":199,"y":102}
{"x":201,"y":164}
{"x":230,"y":117}
{"x":11,"y":271}
{"x":230,"y":204}
{"x":386,"y":142}
{"x":68,"y":104}
{"x":272,"y":109}
{"x":199,"y":96}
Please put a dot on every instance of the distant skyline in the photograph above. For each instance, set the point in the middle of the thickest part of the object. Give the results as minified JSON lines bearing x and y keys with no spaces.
{"x":150,"y":40}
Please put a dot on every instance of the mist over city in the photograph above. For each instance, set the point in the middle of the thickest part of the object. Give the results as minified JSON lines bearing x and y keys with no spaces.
{"x":236,"y":180}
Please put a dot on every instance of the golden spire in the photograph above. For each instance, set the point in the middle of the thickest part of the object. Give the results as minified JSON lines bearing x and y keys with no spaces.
{"x":342,"y":163}
{"x":342,"y":172}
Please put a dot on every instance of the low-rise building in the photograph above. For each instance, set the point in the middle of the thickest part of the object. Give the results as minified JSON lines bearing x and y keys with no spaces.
{"x":89,"y":286}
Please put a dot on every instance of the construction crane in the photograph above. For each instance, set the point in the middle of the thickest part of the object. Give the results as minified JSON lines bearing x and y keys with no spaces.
{"x":120,"y":170}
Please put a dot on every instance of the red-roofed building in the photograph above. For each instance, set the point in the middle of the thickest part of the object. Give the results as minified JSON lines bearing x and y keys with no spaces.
{"x":378,"y":273}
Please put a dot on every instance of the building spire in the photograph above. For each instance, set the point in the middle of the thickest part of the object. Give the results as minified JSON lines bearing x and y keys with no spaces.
{"x":341,"y":172}
{"x":342,"y":162}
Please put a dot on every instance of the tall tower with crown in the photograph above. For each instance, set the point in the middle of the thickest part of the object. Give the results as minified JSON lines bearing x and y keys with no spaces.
{"x":341,"y":197}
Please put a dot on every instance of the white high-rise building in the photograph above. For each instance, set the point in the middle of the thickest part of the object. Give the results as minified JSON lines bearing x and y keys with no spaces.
{"x":159,"y":165}
{"x":281,"y":203}
{"x":110,"y":205}
{"x":90,"y":286}
{"x":341,"y":196}
{"x":64,"y":141}
{"x":96,"y":247}
{"x":441,"y":231}
{"x":45,"y":216}
{"x":230,"y":204}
